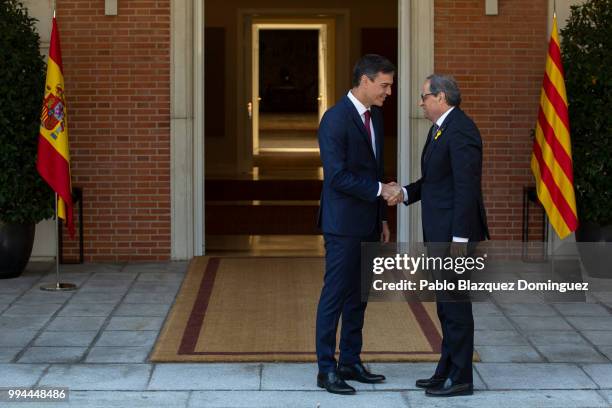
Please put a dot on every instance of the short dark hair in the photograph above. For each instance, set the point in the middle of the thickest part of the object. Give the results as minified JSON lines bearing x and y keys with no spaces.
{"x":370,"y":65}
{"x":448,"y":85}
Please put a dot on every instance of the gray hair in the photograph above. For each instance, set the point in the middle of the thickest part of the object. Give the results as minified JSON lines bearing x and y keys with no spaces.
{"x":446,"y":84}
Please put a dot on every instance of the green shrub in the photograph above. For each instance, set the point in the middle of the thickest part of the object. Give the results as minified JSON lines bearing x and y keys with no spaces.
{"x":587,"y":59}
{"x":24,"y":196}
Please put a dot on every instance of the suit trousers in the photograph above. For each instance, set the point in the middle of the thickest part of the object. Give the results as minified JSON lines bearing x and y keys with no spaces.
{"x":456,"y":320}
{"x":341,"y":298}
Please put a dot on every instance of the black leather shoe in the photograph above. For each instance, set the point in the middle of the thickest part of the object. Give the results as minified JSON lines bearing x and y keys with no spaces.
{"x":334,"y":384}
{"x":430,"y":382}
{"x":357,"y":372}
{"x":450,"y":389}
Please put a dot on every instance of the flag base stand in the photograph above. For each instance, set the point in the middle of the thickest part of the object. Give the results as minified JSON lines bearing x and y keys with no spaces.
{"x":58,"y":287}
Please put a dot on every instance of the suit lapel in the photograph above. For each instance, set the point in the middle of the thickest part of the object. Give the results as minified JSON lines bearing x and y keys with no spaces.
{"x":432,"y":140}
{"x":359,"y":123}
{"x":425,"y":155}
{"x":433,"y":143}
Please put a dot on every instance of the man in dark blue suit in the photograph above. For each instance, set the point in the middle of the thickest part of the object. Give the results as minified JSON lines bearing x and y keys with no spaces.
{"x":352,"y":211}
{"x":454,"y":221}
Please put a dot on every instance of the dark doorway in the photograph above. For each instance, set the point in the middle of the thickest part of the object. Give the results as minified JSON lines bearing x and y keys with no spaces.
{"x":267,"y":204}
{"x":288,"y":92}
{"x":288,"y":71}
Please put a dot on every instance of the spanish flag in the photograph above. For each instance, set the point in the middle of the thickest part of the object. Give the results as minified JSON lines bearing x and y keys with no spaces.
{"x":551,"y":160}
{"x":53,"y":162}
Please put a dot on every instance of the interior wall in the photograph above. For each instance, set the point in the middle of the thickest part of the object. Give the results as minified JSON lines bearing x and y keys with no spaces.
{"x":221,"y":149}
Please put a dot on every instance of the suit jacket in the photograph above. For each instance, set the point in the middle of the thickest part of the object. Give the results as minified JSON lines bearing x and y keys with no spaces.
{"x":349,"y":205}
{"x":450,"y":184}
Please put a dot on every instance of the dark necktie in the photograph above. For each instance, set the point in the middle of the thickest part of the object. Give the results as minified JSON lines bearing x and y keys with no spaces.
{"x":368,"y":117}
{"x":430,"y":141}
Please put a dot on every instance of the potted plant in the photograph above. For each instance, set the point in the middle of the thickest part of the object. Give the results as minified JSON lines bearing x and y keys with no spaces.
{"x":586,"y":45}
{"x":25,"y":199}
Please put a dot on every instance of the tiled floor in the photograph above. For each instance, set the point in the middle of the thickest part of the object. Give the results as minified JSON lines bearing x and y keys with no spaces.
{"x":96,"y":342}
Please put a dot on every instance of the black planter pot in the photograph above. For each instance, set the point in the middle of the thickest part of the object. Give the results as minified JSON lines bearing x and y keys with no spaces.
{"x":594,"y":245}
{"x":16,"y":241}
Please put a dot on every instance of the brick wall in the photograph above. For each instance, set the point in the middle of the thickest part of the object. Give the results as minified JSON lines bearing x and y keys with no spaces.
{"x":117,"y":74}
{"x":499,"y":63}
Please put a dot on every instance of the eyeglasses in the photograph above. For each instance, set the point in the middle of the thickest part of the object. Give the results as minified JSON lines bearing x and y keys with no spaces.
{"x":426,"y":94}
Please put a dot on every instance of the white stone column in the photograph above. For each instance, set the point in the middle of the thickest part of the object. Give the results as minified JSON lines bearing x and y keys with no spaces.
{"x":416,"y":61}
{"x":186,"y":135}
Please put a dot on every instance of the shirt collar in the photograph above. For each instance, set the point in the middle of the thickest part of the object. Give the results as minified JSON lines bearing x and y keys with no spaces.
{"x":358,"y":105}
{"x":440,"y":120}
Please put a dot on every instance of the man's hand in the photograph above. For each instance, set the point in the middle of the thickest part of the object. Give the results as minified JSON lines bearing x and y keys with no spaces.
{"x":385,"y":235}
{"x":392,"y":193}
{"x":458,"y":249}
{"x":398,"y":198}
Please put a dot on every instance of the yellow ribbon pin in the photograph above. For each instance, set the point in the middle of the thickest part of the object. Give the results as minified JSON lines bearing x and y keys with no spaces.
{"x":438,"y":134}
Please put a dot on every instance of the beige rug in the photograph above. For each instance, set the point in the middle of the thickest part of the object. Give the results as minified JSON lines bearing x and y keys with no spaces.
{"x":264,"y":309}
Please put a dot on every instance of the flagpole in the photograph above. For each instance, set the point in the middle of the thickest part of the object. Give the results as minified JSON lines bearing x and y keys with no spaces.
{"x":57,"y":286}
{"x":57,"y":278}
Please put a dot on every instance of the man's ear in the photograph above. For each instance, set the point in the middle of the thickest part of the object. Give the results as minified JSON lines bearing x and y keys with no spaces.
{"x":363,"y":80}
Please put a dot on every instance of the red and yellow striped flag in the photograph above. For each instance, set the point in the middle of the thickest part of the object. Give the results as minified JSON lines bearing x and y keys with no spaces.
{"x":53,"y":162}
{"x":551,"y":160}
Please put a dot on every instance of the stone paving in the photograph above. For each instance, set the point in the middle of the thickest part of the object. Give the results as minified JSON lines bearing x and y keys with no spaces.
{"x":96,"y":342}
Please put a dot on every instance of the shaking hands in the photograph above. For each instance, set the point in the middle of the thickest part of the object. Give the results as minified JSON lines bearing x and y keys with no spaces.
{"x":392,"y":193}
